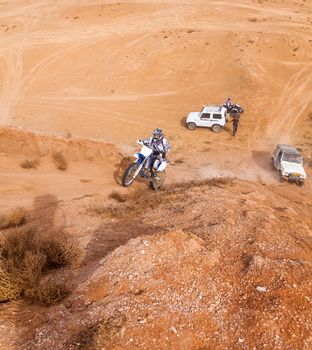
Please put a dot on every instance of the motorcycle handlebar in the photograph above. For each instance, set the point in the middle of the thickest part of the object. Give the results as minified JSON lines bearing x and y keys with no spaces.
{"x":142,"y":143}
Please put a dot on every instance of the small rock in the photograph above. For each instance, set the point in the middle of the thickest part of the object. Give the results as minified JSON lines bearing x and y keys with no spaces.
{"x":144,"y":241}
{"x":173,"y":330}
{"x":137,"y":291}
{"x":261,"y":289}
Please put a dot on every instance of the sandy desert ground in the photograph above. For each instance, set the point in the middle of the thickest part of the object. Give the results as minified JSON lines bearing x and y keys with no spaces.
{"x":88,"y":78}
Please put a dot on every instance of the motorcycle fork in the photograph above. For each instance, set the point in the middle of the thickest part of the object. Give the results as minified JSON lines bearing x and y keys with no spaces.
{"x":138,"y":170}
{"x":147,"y":167}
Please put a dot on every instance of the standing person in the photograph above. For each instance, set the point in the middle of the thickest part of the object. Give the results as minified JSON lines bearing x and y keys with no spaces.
{"x":228,"y":104}
{"x":235,"y":122}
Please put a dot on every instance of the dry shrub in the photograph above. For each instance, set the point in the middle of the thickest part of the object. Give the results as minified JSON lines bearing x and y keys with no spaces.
{"x":30,"y":164}
{"x":47,"y":292}
{"x":14,"y":218}
{"x":99,"y":335}
{"x":60,"y":251}
{"x":68,"y":134}
{"x":25,"y":257}
{"x":117,"y":196}
{"x":178,"y":161}
{"x":109,"y":328}
{"x":140,"y":200}
{"x":84,"y":337}
{"x":59,"y":161}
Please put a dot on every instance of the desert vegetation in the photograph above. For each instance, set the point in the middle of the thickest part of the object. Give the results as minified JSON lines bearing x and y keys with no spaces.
{"x":60,"y":161}
{"x":93,"y":336}
{"x":179,"y":161}
{"x":30,"y":163}
{"x":27,"y":257}
{"x":14,"y":218}
{"x":119,"y":197}
{"x":136,"y":202}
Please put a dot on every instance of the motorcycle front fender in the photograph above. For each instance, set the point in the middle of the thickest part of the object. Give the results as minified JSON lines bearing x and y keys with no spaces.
{"x":139,"y":157}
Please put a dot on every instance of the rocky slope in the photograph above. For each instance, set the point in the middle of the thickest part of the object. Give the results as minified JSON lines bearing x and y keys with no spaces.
{"x":216,"y":264}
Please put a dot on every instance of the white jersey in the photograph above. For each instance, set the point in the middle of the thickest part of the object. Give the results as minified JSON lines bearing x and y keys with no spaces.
{"x":161,"y":146}
{"x":228,"y":104}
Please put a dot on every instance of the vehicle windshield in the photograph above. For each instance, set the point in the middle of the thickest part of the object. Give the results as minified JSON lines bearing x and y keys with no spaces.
{"x":292,"y":158}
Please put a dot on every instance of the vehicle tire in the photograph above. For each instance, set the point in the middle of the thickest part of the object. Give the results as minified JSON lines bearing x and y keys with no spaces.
{"x":191,"y":126}
{"x":158,"y":181}
{"x":128,"y":177}
{"x":216,"y":128}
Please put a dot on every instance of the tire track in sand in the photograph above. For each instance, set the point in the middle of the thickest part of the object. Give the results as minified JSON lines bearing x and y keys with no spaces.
{"x":13,"y":77}
{"x":14,"y":64}
{"x":293,"y":103}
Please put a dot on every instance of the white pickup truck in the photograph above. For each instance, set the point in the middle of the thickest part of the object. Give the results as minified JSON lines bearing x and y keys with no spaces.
{"x":211,"y":116}
{"x":288,"y":161}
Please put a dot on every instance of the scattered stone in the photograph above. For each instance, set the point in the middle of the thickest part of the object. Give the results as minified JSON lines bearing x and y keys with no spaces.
{"x":173,"y":330}
{"x":145,"y":242}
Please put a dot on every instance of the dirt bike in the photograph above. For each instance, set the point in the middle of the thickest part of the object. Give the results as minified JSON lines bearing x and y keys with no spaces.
{"x":234,"y":109}
{"x":148,"y":165}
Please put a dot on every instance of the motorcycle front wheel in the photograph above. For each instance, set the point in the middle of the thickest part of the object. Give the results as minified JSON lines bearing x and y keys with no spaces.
{"x":128,"y":176}
{"x":158,"y":180}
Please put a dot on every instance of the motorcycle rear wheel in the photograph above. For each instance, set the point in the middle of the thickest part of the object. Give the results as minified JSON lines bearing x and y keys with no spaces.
{"x":158,"y":180}
{"x":128,"y":176}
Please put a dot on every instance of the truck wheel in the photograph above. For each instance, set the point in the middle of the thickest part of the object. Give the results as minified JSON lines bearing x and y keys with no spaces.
{"x":191,"y":126}
{"x":216,"y":128}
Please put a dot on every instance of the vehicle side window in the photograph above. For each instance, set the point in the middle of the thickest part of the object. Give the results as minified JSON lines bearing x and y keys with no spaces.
{"x":216,"y":116}
{"x":205,"y":116}
{"x":279,"y":156}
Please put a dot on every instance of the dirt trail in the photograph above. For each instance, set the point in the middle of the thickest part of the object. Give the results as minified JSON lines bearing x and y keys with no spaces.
{"x":115,"y":71}
{"x":293,"y":103}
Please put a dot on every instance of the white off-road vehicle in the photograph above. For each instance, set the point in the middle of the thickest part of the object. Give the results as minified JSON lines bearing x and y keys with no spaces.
{"x":211,"y":116}
{"x":288,"y":161}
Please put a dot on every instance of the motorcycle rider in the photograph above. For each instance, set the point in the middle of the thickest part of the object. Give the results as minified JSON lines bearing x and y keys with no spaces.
{"x":159,"y":144}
